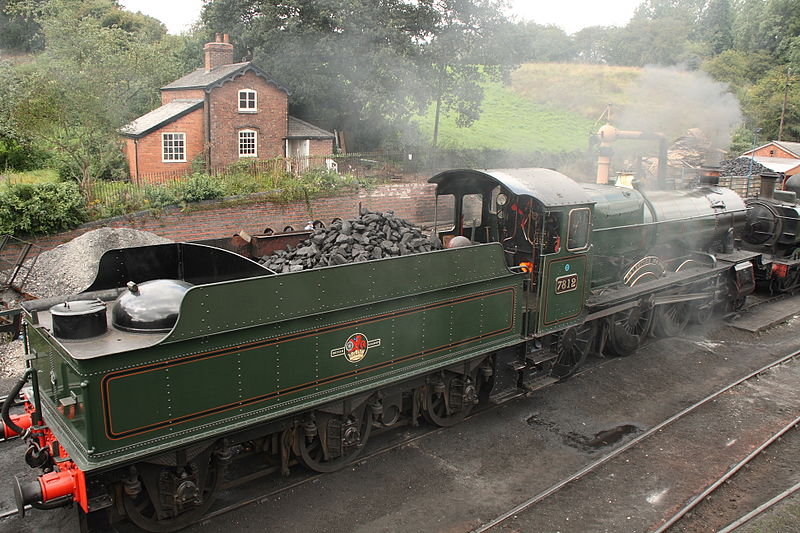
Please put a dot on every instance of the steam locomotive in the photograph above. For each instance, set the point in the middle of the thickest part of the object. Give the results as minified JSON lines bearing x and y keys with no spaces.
{"x":137,"y":412}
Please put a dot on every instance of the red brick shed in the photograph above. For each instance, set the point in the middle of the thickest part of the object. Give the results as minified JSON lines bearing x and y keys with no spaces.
{"x":778,"y":156}
{"x":223,"y":113}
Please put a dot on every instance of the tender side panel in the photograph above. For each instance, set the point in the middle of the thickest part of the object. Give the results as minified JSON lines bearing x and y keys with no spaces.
{"x":250,"y":351}
{"x":224,"y":306}
{"x":300,"y":362}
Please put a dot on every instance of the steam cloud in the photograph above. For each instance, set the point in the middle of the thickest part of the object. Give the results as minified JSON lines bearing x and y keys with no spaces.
{"x":671,"y":100}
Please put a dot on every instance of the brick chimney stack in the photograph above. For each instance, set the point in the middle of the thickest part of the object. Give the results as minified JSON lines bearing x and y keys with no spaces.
{"x":218,"y":53}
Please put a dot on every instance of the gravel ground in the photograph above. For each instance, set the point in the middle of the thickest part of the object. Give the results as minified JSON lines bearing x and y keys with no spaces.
{"x":71,"y":267}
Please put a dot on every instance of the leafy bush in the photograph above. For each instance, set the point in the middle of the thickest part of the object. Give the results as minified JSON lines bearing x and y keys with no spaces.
{"x":198,"y":188}
{"x":40,"y":208}
{"x":19,"y":156}
{"x":160,"y":195}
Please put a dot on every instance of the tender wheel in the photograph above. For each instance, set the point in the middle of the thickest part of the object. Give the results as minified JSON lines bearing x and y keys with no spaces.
{"x":671,"y":319}
{"x":572,"y":346}
{"x":331,"y":442}
{"x":448,"y":401}
{"x":163,"y":499}
{"x":628,"y":329}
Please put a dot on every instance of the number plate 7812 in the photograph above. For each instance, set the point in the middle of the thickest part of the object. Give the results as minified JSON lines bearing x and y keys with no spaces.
{"x":566,"y":283}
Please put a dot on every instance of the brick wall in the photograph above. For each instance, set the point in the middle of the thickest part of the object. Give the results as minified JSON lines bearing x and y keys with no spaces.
{"x":270,"y":119}
{"x":171,"y":94}
{"x":320,"y":147}
{"x":150,"y":147}
{"x":411,"y":201}
{"x":776,"y":152}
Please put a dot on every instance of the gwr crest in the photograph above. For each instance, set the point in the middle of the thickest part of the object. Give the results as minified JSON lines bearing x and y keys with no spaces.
{"x":355,"y":347}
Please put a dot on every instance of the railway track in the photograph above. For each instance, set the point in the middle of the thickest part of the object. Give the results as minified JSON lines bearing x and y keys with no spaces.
{"x":734,"y":470}
{"x":619,"y":451}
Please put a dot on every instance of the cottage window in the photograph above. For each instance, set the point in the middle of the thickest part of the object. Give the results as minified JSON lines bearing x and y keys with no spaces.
{"x":173,"y":147}
{"x":247,"y":143}
{"x":247,"y":101}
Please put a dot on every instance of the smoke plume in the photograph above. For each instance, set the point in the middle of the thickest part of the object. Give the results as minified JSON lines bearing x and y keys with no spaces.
{"x":672,"y":100}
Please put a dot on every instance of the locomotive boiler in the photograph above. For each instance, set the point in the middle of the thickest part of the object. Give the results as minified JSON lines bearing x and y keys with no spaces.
{"x":140,"y":390}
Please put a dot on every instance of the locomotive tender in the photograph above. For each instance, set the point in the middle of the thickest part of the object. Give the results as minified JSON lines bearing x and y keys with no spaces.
{"x":135,"y":411}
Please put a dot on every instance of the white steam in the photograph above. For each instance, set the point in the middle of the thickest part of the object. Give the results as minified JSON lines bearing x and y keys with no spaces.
{"x":672,"y":100}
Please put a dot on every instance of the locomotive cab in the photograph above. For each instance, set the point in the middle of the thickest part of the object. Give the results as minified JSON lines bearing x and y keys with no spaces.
{"x":541,"y":218}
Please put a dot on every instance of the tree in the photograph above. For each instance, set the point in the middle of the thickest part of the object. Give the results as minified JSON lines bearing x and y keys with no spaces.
{"x":530,"y":42}
{"x":18,"y":31}
{"x":366,"y":66}
{"x":86,"y":84}
{"x":765,"y":101}
{"x":716,"y":26}
{"x":596,"y":44}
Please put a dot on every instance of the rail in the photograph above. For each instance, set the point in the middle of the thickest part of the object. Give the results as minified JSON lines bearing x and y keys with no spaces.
{"x":603,"y":460}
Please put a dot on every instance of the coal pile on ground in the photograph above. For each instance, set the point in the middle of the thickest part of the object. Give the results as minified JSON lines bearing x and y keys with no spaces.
{"x":740,"y":166}
{"x":71,"y":267}
{"x":370,"y":236}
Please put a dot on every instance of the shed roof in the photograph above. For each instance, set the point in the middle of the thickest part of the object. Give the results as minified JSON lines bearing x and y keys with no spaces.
{"x":778,"y":164}
{"x":549,"y":187}
{"x":202,"y":79}
{"x":300,"y":129}
{"x":160,"y":116}
{"x":791,"y":147}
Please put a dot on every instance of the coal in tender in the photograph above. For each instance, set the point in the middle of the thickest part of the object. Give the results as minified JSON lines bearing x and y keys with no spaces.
{"x":373,"y":235}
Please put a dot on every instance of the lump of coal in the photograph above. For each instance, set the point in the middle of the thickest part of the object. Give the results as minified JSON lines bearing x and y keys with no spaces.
{"x":370,"y":236}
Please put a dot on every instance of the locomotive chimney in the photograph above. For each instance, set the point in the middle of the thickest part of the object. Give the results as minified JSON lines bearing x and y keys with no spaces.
{"x":768,"y":180}
{"x":710,"y":176}
{"x":218,"y":53}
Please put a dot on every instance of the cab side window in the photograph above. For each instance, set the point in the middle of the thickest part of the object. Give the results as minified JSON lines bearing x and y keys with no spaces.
{"x":578,"y":229}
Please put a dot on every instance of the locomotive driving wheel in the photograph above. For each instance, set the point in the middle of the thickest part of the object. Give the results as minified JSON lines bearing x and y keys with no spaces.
{"x":671,"y":319}
{"x":572,"y":346}
{"x":330,"y":442}
{"x":628,"y":329}
{"x":168,"y":498}
{"x":450,"y":399}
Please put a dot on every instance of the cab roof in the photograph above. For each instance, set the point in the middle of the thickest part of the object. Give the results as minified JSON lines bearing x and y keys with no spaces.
{"x":549,"y":187}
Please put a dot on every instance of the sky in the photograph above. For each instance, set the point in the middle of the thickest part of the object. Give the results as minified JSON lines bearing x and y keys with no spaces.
{"x":570,"y":15}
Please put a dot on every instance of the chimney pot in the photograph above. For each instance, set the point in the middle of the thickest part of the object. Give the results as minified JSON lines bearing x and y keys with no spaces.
{"x":218,"y":53}
{"x":225,"y":38}
{"x":218,"y":37}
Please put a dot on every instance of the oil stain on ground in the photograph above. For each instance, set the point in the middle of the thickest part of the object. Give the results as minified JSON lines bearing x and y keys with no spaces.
{"x":590,"y":443}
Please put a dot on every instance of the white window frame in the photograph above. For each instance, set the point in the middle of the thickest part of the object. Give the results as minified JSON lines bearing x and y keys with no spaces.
{"x":164,"y":154}
{"x":255,"y":143}
{"x":254,"y":101}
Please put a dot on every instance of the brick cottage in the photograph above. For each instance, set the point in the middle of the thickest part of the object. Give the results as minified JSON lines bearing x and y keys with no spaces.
{"x":224,"y":112}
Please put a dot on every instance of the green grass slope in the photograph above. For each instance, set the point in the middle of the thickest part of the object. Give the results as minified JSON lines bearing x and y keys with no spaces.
{"x":548,"y":107}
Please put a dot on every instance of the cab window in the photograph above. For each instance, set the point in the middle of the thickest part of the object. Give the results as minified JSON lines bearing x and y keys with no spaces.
{"x":445,"y":212}
{"x":472,"y":210}
{"x":578,"y":230}
{"x":552,"y":233}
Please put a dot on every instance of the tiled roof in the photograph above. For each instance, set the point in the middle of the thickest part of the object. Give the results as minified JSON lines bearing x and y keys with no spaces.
{"x":794,"y":148}
{"x":300,"y":129}
{"x":160,"y":116}
{"x":200,"y":79}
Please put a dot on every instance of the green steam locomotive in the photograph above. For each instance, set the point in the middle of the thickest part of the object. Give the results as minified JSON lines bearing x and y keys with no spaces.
{"x":136,"y":411}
